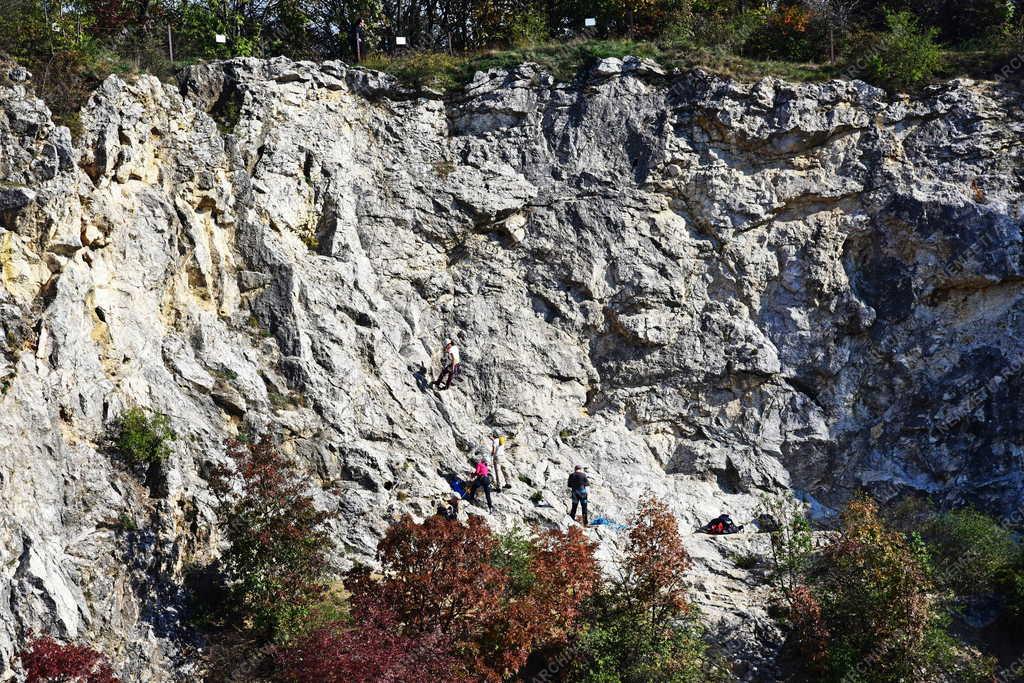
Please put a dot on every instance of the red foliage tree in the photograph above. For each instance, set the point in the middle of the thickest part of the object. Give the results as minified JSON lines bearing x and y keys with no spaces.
{"x":47,"y":661}
{"x":656,"y":562}
{"x":810,"y":634}
{"x":440,"y":574}
{"x":435,"y":574}
{"x":375,"y":651}
{"x":111,"y":16}
{"x":564,"y":574}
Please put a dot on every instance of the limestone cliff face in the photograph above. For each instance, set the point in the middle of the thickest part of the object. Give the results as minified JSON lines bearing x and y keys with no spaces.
{"x":698,"y":288}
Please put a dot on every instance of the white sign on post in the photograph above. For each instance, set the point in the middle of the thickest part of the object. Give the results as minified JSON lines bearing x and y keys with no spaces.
{"x":590,"y":21}
{"x":399,"y":40}
{"x":221,"y":38}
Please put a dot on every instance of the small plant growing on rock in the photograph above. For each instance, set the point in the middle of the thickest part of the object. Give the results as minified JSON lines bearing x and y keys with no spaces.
{"x":47,"y":661}
{"x":311,"y":241}
{"x":746,"y":560}
{"x":536,"y":497}
{"x":143,"y":437}
{"x":225,"y":373}
{"x":443,"y":168}
{"x":126,"y":523}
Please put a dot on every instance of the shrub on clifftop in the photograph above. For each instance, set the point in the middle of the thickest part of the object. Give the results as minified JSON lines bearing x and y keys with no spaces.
{"x":906,"y":56}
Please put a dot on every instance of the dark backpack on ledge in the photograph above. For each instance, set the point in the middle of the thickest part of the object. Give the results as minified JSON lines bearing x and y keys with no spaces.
{"x":720,"y":526}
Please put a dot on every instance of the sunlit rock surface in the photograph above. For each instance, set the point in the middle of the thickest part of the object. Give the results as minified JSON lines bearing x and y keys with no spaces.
{"x":701,"y":289}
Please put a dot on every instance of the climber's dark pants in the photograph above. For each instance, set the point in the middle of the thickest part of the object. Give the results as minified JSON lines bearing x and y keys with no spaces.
{"x":448,"y":373}
{"x":485,"y":482}
{"x":581,"y":500}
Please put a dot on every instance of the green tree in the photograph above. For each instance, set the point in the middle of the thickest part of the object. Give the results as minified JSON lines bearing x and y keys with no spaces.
{"x":198,"y":22}
{"x":792,"y":543}
{"x":974,"y":554}
{"x":529,"y":27}
{"x":331,"y":21}
{"x":286,"y":29}
{"x":906,"y":56}
{"x":24,"y":30}
{"x":837,"y":16}
{"x":960,"y":21}
{"x":872,"y":613}
{"x":513,"y":555}
{"x":1015,"y":594}
{"x":276,"y":560}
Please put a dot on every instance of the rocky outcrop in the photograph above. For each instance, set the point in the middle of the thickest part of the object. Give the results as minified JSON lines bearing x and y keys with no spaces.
{"x":706,"y":290}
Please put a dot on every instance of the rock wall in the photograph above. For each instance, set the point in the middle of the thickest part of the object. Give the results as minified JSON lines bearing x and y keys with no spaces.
{"x":698,"y":288}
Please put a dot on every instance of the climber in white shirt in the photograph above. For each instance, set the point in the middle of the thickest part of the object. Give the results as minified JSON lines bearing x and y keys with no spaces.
{"x":451,"y":368}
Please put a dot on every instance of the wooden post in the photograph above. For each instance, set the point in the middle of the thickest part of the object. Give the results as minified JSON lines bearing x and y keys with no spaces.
{"x":49,"y":25}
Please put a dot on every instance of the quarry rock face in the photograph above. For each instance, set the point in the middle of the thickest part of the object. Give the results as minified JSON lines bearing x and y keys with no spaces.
{"x":700,"y":289}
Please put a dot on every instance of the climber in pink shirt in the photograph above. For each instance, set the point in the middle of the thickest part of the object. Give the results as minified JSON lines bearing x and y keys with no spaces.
{"x":483,"y":478}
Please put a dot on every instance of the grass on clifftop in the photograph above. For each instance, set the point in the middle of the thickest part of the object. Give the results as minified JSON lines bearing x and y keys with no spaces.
{"x":66,"y":94}
{"x":564,"y":60}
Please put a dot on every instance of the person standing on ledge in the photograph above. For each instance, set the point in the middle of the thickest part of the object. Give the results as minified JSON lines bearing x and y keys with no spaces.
{"x":578,"y":487}
{"x":483,"y":479}
{"x":357,"y":40}
{"x":498,"y":461}
{"x":451,"y":367}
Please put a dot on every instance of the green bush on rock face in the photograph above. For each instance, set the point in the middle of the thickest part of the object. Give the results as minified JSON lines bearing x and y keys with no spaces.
{"x":513,"y":554}
{"x":143,"y":437}
{"x":974,"y":552}
{"x":276,"y":562}
{"x":872,"y":573}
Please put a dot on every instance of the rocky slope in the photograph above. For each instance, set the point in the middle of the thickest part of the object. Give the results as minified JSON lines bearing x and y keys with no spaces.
{"x":698,"y":288}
